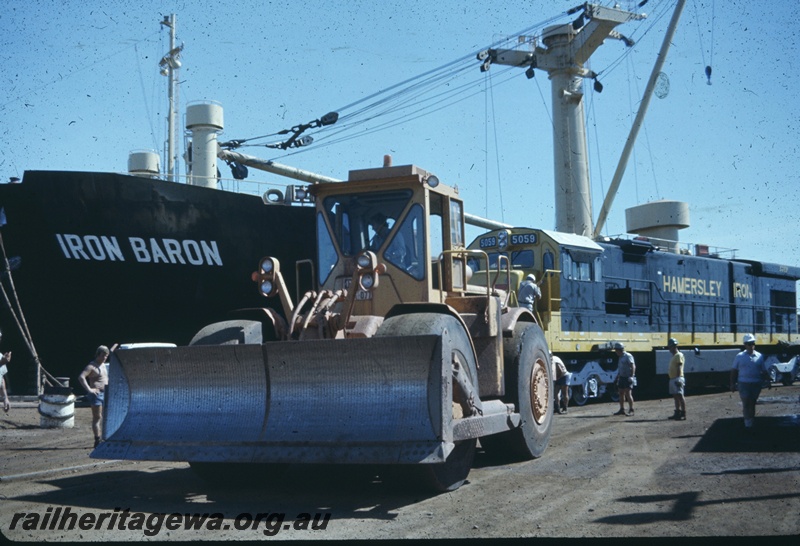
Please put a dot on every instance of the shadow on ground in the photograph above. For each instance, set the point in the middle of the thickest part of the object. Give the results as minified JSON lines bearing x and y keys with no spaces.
{"x":769,"y":435}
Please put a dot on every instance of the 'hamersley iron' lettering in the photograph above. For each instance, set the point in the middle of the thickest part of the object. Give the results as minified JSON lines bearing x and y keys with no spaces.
{"x":153,"y":250}
{"x":692,"y":286}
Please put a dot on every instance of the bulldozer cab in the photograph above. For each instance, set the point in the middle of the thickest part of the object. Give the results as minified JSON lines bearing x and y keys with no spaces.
{"x":407,"y":219}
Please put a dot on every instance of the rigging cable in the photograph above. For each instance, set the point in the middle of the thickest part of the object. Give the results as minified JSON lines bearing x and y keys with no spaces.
{"x":497,"y":157}
{"x":653,"y":20}
{"x":486,"y":80}
{"x":633,"y":109}
{"x":700,"y":37}
{"x":89,"y":66}
{"x":711,"y":55}
{"x":144,"y":97}
{"x":414,"y":87}
{"x":597,"y":145}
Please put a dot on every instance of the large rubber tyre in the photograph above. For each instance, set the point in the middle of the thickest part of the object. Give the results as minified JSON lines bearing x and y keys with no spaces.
{"x":451,"y":474}
{"x":529,"y":386}
{"x":230,"y":332}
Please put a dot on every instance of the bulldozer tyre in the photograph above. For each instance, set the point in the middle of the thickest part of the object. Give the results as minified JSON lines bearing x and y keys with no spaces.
{"x":451,"y":474}
{"x":529,"y":386}
{"x":230,"y":332}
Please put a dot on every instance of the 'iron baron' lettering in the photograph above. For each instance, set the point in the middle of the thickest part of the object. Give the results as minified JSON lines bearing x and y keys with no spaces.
{"x":152,"y":250}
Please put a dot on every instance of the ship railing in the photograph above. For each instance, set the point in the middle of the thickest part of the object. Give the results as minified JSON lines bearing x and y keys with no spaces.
{"x":683,"y":248}
{"x":257,"y":188}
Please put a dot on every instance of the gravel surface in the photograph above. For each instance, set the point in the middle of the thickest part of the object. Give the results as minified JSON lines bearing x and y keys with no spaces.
{"x":601,"y":476}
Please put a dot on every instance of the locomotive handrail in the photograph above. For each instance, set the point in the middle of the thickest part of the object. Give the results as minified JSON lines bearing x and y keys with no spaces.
{"x":546,"y":276}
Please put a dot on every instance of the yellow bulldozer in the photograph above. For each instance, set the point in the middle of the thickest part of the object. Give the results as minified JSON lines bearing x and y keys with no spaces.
{"x":394,"y":360}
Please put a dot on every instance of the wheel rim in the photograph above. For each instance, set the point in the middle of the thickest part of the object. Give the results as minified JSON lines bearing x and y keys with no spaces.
{"x":540,"y":391}
{"x":592,"y":386}
{"x":773,"y":375}
{"x":579,"y":395}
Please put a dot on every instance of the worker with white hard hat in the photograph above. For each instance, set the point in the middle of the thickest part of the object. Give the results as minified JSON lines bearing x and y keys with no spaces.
{"x":529,"y":292}
{"x":749,"y":370}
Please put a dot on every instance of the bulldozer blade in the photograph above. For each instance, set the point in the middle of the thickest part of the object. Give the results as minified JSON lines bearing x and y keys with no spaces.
{"x":374,"y":400}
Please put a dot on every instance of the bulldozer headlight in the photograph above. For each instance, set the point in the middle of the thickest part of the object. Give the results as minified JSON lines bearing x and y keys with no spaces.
{"x":266,"y":276}
{"x":367,"y":260}
{"x":267,"y":266}
{"x":367,"y":269}
{"x":367,"y":281}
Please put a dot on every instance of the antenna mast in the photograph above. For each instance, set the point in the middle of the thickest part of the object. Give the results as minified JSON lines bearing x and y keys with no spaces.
{"x":170,"y":63}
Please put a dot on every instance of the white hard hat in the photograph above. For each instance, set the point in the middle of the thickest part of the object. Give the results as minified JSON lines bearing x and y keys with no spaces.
{"x":749,"y":338}
{"x":532,"y":277}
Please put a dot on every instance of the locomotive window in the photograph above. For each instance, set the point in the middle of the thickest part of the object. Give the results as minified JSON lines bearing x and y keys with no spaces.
{"x":581,"y":271}
{"x":577,"y":268}
{"x":640,"y":298}
{"x":782,"y":309}
{"x":548,"y":261}
{"x":521,"y":259}
{"x":580,"y":265}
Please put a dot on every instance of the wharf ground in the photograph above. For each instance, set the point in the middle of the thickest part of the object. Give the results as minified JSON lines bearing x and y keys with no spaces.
{"x":602,"y":476}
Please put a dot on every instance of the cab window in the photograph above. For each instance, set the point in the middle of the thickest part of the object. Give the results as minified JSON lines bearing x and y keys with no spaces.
{"x":364,"y":221}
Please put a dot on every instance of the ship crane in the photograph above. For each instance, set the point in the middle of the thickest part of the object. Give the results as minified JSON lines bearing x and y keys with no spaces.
{"x":566,"y":50}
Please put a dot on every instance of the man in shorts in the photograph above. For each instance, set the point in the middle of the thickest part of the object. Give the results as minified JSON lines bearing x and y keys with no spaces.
{"x":94,"y":379}
{"x":626,"y":371}
{"x":749,"y":371}
{"x":677,"y":383}
{"x":561,"y":376}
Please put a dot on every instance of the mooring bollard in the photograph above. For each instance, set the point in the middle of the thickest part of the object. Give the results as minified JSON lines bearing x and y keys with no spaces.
{"x":57,"y":405}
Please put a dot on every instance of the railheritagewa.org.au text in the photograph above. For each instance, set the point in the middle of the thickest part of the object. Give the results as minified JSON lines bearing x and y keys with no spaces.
{"x":64,"y":519}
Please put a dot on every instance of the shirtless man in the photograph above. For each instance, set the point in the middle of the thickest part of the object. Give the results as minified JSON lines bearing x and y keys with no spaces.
{"x":94,"y":379}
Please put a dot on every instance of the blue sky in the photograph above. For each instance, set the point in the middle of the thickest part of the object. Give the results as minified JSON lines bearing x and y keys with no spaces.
{"x":82,"y":89}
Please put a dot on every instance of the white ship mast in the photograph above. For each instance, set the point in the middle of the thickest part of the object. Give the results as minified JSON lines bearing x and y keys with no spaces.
{"x":170,"y":63}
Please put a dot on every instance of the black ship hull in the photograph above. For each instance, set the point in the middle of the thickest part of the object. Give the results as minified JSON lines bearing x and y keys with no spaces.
{"x":100,"y":258}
